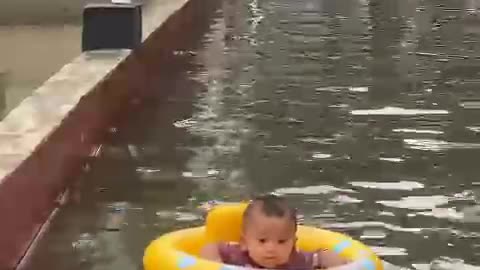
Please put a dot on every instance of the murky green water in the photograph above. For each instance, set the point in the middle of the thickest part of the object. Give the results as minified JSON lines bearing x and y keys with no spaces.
{"x":364,"y":113}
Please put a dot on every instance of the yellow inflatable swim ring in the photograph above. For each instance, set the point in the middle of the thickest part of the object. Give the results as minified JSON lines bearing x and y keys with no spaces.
{"x":178,"y":250}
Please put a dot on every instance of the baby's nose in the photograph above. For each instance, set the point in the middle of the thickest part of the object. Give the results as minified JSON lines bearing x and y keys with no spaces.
{"x":270,"y":247}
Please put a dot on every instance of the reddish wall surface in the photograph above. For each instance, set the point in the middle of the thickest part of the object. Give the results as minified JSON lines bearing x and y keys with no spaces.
{"x":30,"y":193}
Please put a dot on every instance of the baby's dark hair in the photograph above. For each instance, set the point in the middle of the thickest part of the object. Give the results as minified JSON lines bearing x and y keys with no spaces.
{"x":272,"y":206}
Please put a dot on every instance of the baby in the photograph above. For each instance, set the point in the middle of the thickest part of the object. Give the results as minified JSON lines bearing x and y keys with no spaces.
{"x":268,"y":240}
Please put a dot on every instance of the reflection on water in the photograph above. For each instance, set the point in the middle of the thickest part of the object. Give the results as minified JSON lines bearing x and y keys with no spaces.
{"x":363,"y":113}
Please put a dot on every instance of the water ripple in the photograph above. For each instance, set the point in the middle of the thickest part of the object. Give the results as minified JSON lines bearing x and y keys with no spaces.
{"x":438,"y":145}
{"x":398,"y":111}
{"x":417,"y":202}
{"x":312,"y":190}
{"x":401,"y":185}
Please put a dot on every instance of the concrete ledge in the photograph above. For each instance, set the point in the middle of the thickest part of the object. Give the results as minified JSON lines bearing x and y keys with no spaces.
{"x":50,"y":135}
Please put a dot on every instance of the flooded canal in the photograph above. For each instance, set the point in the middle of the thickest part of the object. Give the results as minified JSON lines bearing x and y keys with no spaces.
{"x":366,"y":114}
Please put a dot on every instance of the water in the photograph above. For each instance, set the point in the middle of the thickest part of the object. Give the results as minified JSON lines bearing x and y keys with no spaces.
{"x":363,"y":113}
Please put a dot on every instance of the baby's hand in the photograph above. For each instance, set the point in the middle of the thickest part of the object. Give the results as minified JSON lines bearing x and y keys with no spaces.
{"x":210,"y":252}
{"x":327,"y":259}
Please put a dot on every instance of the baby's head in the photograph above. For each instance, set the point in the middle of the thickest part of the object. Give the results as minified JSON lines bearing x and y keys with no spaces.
{"x":269,"y":227}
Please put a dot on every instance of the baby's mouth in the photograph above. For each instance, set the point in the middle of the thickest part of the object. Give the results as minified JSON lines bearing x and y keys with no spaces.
{"x":269,"y":259}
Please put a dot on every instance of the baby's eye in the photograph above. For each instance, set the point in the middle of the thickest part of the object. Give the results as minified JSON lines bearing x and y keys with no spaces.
{"x":282,"y":241}
{"x":262,"y":240}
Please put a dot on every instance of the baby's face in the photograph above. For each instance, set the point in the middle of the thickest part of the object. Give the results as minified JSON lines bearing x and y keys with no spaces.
{"x":269,"y":240}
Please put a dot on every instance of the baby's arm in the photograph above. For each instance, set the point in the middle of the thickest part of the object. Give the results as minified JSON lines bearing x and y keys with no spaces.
{"x":211,"y":252}
{"x":354,"y":265}
{"x":327,"y":259}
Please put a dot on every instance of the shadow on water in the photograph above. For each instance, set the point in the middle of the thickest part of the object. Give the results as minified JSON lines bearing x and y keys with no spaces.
{"x":364,"y":113}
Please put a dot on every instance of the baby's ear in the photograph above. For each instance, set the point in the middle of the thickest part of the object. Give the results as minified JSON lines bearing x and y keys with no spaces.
{"x":243,"y":245}
{"x":294,"y":246}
